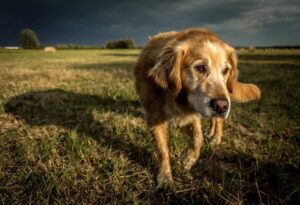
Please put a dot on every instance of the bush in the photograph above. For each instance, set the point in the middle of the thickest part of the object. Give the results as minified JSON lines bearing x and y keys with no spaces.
{"x":28,"y":39}
{"x":74,"y":46}
{"x":122,"y":43}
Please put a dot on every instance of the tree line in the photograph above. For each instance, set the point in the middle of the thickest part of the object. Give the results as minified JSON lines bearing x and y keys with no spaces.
{"x":29,"y":40}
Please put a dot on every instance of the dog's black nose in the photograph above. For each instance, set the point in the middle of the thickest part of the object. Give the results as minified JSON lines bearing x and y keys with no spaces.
{"x":219,"y":105}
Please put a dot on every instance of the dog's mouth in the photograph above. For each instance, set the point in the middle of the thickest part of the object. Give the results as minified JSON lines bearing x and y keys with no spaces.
{"x":222,"y":115}
{"x":209,"y":113}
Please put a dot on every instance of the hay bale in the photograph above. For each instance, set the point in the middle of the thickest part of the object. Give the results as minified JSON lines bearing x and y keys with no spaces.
{"x":50,"y":49}
{"x":251,"y":48}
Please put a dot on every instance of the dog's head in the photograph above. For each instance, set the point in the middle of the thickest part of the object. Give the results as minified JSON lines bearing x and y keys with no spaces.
{"x":203,"y":66}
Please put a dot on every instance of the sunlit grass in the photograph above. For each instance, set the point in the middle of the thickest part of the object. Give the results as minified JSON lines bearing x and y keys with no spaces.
{"x":73,"y":132}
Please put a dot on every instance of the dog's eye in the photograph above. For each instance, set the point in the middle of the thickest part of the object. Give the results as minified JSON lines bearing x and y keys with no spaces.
{"x":225,"y":71}
{"x":200,"y":68}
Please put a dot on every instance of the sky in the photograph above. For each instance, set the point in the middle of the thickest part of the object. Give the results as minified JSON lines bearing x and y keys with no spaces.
{"x":93,"y":22}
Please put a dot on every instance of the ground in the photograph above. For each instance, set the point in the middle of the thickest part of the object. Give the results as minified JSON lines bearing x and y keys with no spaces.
{"x":72,"y":131}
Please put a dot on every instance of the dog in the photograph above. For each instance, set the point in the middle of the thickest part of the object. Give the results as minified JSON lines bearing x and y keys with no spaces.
{"x":181,"y":77}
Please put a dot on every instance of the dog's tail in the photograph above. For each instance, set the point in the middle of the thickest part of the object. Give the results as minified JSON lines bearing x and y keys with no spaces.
{"x":244,"y":92}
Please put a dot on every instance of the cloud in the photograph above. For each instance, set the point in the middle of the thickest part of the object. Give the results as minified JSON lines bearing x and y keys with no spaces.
{"x":264,"y":14}
{"x":96,"y":21}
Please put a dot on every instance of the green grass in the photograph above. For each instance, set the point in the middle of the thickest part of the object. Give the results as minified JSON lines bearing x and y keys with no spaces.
{"x":73,"y":132}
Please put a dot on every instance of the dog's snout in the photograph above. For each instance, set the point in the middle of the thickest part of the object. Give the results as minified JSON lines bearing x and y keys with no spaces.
{"x":219,"y":105}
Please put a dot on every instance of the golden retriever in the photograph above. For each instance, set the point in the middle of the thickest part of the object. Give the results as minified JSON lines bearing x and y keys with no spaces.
{"x":181,"y":77}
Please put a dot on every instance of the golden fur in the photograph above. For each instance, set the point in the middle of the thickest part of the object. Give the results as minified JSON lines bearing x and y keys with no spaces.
{"x":181,"y":76}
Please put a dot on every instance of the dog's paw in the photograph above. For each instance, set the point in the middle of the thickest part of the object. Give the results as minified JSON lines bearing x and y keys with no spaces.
{"x":188,"y":162}
{"x":164,"y":178}
{"x":209,"y":137}
{"x":215,"y":141}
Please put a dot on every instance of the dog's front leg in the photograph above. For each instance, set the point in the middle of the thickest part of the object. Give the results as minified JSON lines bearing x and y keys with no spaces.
{"x":216,"y":130}
{"x":194,"y":133}
{"x":159,"y":133}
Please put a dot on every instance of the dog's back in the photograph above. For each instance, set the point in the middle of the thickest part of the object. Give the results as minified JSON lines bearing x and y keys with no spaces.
{"x":149,"y":56}
{"x":150,"y":53}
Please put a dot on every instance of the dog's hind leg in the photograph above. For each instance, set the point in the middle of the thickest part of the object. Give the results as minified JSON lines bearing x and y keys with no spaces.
{"x":195,"y":142}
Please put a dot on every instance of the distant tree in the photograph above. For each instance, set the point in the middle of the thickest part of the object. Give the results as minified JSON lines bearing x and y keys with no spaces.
{"x":121,"y":43}
{"x":28,"y":39}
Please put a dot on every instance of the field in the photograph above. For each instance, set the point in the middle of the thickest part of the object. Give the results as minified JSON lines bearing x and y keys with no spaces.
{"x":72,"y":131}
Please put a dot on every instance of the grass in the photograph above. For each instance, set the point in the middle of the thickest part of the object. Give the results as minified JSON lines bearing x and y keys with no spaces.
{"x":72,"y":132}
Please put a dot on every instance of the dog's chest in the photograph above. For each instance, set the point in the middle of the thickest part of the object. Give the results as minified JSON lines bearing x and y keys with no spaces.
{"x":183,"y":119}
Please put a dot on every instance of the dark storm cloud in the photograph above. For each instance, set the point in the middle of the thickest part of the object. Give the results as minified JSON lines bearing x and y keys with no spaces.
{"x":96,"y":21}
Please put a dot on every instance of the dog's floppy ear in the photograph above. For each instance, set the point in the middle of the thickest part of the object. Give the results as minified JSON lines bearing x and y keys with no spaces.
{"x":166,"y":72}
{"x":233,"y":75}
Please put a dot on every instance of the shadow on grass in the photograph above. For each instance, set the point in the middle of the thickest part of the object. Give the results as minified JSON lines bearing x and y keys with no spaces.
{"x":257,"y":181}
{"x":74,"y":111}
{"x":237,"y":173}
